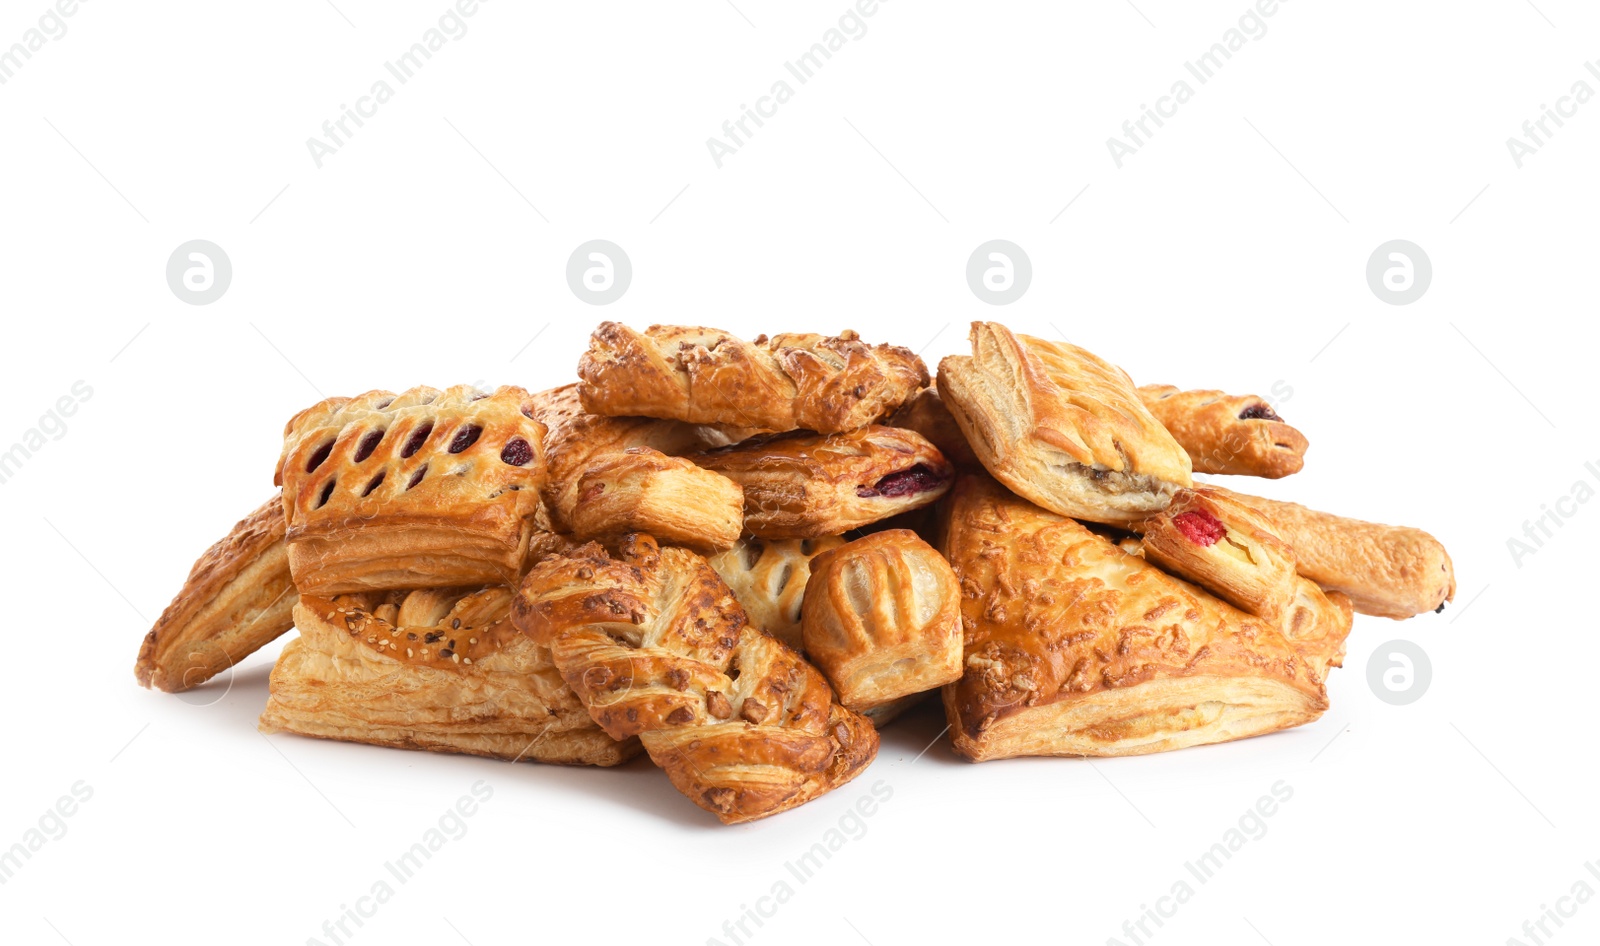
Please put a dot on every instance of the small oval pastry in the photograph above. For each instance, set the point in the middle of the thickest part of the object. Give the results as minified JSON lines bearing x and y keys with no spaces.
{"x":881,"y":619}
{"x":803,"y":485}
{"x":768,"y":578}
{"x":644,"y":490}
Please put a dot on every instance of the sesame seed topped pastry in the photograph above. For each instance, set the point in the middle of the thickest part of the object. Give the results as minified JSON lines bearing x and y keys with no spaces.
{"x":1074,"y":646}
{"x":644,"y":490}
{"x":829,"y":384}
{"x":438,"y":669}
{"x":802,"y":485}
{"x":655,"y":645}
{"x":1224,"y":433}
{"x":238,"y":598}
{"x":1061,"y":427}
{"x":425,"y":489}
{"x":1225,"y":547}
{"x":768,"y":577}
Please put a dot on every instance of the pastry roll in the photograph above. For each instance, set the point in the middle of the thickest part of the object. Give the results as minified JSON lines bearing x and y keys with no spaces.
{"x":803,"y":485}
{"x":926,"y":414}
{"x":768,"y":578}
{"x":438,"y":669}
{"x":880,"y":619}
{"x":1075,"y":647}
{"x":644,"y":490}
{"x":1225,"y":547}
{"x":575,"y":440}
{"x":829,"y":384}
{"x":654,"y":644}
{"x":238,"y":598}
{"x":426,"y":489}
{"x":1223,"y":433}
{"x":1389,"y":571}
{"x":1061,"y":427}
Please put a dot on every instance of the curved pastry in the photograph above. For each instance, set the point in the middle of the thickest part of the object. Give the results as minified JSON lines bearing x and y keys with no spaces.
{"x":238,"y":598}
{"x":437,"y":669}
{"x":1389,"y":571}
{"x":575,"y":440}
{"x":881,"y":619}
{"x":644,"y":490}
{"x":1225,"y":547}
{"x":654,"y":644}
{"x":1075,"y":647}
{"x":425,"y":489}
{"x":1223,"y":433}
{"x":926,"y":414}
{"x":768,"y":577}
{"x":1061,"y":427}
{"x":706,"y":376}
{"x":802,"y":485}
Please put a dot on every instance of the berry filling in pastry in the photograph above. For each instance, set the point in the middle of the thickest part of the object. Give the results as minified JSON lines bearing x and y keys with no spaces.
{"x":917,"y":479}
{"x":1259,"y":412}
{"x":1200,"y":527}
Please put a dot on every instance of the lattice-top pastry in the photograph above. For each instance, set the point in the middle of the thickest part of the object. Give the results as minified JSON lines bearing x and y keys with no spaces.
{"x":423,"y":489}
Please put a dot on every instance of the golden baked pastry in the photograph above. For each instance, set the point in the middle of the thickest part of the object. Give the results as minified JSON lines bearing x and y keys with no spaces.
{"x":829,"y":384}
{"x":238,"y":598}
{"x":654,"y":644}
{"x":438,"y":669}
{"x":1316,"y":624}
{"x":575,"y":440}
{"x":1389,"y":571}
{"x":926,"y":414}
{"x":1075,"y":647}
{"x":881,"y":619}
{"x":802,"y":485}
{"x":768,"y":577}
{"x":644,"y":490}
{"x":1223,"y":433}
{"x":1225,"y":547}
{"x":425,"y":489}
{"x":1061,"y":426}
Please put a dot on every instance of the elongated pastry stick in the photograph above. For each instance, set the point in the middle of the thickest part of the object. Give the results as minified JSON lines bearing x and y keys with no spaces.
{"x":1224,"y":433}
{"x":237,"y":599}
{"x":1389,"y":571}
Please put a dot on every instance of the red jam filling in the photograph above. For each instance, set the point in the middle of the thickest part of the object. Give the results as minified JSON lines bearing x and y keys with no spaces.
{"x":917,"y":479}
{"x":1259,"y":412}
{"x":1200,"y":527}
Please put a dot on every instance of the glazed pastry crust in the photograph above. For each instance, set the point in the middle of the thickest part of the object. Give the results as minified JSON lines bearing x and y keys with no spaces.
{"x":655,"y":645}
{"x":881,"y":619}
{"x":1224,"y":433}
{"x":803,"y":485}
{"x":1061,"y":426}
{"x":364,"y":670}
{"x":426,"y":489}
{"x":1388,"y":571}
{"x":1075,"y":647}
{"x":644,"y":490}
{"x":575,"y":440}
{"x":1225,"y":547}
{"x":829,"y":384}
{"x":768,"y":578}
{"x":238,"y":598}
{"x":926,"y":414}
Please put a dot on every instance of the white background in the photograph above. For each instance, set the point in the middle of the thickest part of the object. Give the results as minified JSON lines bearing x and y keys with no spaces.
{"x":1228,"y":252}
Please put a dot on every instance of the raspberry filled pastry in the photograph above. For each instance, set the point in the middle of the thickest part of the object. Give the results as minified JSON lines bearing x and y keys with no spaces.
{"x":1225,"y":547}
{"x":425,"y":489}
{"x":655,"y":646}
{"x":829,"y":384}
{"x":1224,"y":433}
{"x":1061,"y":427}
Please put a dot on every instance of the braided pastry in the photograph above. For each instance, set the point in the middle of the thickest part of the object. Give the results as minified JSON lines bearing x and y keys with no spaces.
{"x":1223,"y":433}
{"x":655,"y":645}
{"x":706,"y":376}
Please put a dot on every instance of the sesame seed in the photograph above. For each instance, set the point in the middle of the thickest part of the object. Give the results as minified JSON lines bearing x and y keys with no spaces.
{"x":472,"y":640}
{"x":468,"y":660}
{"x":408,"y":652}
{"x":456,"y":657}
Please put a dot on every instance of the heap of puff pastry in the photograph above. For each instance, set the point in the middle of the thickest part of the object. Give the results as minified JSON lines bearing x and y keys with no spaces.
{"x":741,"y":557}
